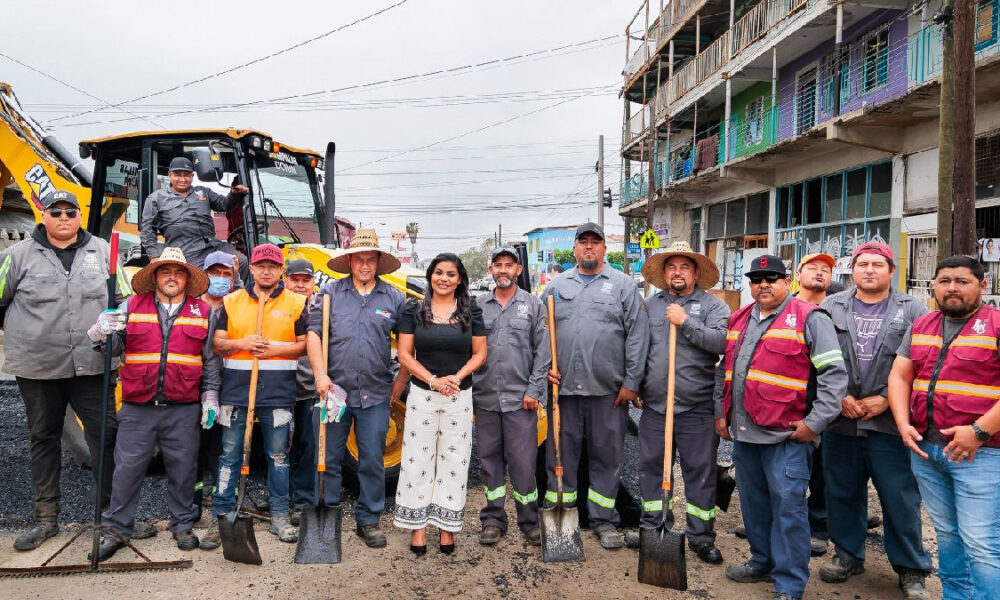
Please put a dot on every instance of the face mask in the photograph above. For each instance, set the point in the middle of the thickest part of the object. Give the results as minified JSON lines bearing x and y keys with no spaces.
{"x":219,"y":286}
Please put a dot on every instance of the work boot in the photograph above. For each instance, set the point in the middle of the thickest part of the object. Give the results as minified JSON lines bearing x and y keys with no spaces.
{"x":283,"y":528}
{"x":631,"y":536}
{"x":817,"y":547}
{"x":106,"y":549}
{"x":610,"y":539}
{"x":839,"y":570}
{"x":740,"y":532}
{"x":780,"y":596}
{"x":143,"y":530}
{"x":533,"y":536}
{"x":34,"y":537}
{"x":747,"y":573}
{"x":707,"y":552}
{"x":490,"y":535}
{"x":911,"y":582}
{"x":186,"y":540}
{"x":372,"y":535}
{"x":874,"y":521}
{"x":295,"y":516}
{"x":211,"y":539}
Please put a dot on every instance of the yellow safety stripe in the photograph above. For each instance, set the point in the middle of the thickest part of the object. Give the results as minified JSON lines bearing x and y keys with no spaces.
{"x":732,"y":334}
{"x":704,"y":515}
{"x":142,"y":318}
{"x":194,"y":321}
{"x":784,"y":334}
{"x":959,"y":388}
{"x":657,"y":505}
{"x":525,"y":498}
{"x":827,"y":357}
{"x":568,"y":497}
{"x":124,"y":288}
{"x":729,"y":374}
{"x":778,"y":380}
{"x":495,"y":493}
{"x":920,"y":339}
{"x":154,"y":358}
{"x":4,"y":269}
{"x":975,"y":341}
{"x":600,"y":500}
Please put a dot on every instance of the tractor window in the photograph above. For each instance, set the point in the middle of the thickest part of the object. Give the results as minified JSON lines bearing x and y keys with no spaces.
{"x":285,"y":200}
{"x":121,"y":206}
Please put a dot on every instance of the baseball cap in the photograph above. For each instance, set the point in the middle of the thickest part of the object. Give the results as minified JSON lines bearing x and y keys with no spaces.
{"x":767,"y":263}
{"x":266,"y":252}
{"x":873,"y":248}
{"x":299,"y":266}
{"x":181,"y":163}
{"x":60,"y":196}
{"x":219,"y":258}
{"x":508,"y":251}
{"x":589,"y":227}
{"x":808,"y":258}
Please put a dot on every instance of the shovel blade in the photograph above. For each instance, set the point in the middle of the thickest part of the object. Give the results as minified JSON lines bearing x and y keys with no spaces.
{"x":561,"y":541}
{"x":238,"y":541}
{"x":724,"y":487}
{"x":661,"y":558}
{"x":319,"y":536}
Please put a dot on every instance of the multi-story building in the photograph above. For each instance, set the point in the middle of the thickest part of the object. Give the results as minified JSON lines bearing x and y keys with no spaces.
{"x":799,"y":126}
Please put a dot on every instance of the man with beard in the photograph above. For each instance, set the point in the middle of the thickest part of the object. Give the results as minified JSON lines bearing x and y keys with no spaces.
{"x":863,"y":443}
{"x":780,"y":384}
{"x":506,"y":393}
{"x":603,"y":334}
{"x":701,"y":320}
{"x":169,"y":366}
{"x":943,"y":391}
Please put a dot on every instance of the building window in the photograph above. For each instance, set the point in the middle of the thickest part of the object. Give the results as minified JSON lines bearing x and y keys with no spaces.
{"x":755,"y":122}
{"x":875,"y":59}
{"x":986,"y":23}
{"x":805,"y":101}
{"x":988,"y":165}
{"x":733,"y":227}
{"x":830,"y":73}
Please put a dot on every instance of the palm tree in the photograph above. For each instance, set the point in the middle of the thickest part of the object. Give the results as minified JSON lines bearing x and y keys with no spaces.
{"x":412,"y":229}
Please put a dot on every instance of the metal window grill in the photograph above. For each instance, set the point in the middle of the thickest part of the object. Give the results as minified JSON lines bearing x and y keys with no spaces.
{"x":988,"y":166}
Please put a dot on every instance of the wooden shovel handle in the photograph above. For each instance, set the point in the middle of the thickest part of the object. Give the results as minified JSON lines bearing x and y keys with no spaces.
{"x":668,"y":429}
{"x":321,"y":444}
{"x":550,"y":304}
{"x":252,"y":400}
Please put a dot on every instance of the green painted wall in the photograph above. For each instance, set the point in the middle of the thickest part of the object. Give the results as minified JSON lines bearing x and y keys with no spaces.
{"x":738,"y":118}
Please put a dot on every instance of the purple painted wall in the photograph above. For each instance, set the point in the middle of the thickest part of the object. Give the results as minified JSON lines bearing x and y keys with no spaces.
{"x":894,"y":87}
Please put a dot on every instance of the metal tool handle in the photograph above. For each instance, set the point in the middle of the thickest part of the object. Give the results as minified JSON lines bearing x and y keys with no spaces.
{"x":252,"y":400}
{"x":551,"y":305}
{"x":321,"y":445}
{"x":668,"y":429}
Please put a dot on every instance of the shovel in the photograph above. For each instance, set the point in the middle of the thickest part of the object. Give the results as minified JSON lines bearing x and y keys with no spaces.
{"x":319,"y":527}
{"x":235,"y":529}
{"x":661,"y":549}
{"x":561,"y":540}
{"x":725,"y":485}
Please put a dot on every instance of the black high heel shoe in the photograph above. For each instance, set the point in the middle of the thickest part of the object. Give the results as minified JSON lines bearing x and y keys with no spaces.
{"x":418,"y":550}
{"x":447,"y":548}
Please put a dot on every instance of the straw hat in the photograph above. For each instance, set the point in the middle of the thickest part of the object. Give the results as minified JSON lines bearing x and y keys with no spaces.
{"x":145,"y":280}
{"x":652,"y":271}
{"x":364,"y":240}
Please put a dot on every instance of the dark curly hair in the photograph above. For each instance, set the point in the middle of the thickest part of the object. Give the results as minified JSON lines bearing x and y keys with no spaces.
{"x":463,"y":300}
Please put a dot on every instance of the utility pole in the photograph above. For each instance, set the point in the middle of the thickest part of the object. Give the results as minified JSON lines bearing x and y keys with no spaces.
{"x":956,"y":135}
{"x":600,"y":181}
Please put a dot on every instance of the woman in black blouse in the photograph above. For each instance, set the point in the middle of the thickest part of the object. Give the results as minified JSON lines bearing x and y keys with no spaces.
{"x":446,"y":331}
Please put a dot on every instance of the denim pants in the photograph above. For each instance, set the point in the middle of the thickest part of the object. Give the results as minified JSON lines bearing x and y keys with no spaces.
{"x":370,"y":427}
{"x":773,"y":479}
{"x":963,"y":500}
{"x":881,"y":457}
{"x":275,"y":448}
{"x":303,"y":456}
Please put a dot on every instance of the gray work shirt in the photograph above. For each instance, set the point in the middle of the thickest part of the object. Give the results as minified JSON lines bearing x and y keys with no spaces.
{"x":305,"y":381}
{"x":700,"y":342}
{"x":902,"y":310}
{"x":361,"y":330}
{"x":517,"y":353}
{"x":185,"y":221}
{"x":211,"y":363}
{"x":831,"y":378}
{"x":602,"y":331}
{"x":49,"y":309}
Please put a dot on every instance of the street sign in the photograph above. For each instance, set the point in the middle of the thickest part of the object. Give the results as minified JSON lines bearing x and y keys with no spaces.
{"x":649,"y":240}
{"x":398,"y":235}
{"x":633,"y":250}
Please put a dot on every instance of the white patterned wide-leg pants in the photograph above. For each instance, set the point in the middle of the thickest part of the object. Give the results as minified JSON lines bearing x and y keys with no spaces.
{"x":437,"y":447}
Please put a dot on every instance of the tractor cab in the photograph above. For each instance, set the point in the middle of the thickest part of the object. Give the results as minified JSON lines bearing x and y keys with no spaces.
{"x":284,"y":206}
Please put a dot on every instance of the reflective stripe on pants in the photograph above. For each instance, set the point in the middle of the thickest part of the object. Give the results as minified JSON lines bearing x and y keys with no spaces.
{"x":508,"y":444}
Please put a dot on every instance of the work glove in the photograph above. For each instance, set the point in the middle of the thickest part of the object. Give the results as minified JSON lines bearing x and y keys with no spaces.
{"x":108,"y":322}
{"x":209,"y":408}
{"x":333,"y":407}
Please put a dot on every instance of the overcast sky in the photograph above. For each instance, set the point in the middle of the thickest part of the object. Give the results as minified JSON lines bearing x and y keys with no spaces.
{"x":534,"y":164}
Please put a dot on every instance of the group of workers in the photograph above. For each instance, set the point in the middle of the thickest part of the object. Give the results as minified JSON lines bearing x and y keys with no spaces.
{"x":899,"y":396}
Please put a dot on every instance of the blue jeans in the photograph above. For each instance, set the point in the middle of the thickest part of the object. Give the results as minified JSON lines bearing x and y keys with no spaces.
{"x":773,"y":479}
{"x":963,"y":500}
{"x":276,"y":449}
{"x":370,"y":427}
{"x":883,"y":458}
{"x":303,"y":456}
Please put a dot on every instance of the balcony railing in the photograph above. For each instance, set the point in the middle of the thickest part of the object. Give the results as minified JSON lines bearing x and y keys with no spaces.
{"x":640,"y":57}
{"x":635,"y":125}
{"x":712,"y":57}
{"x":675,"y":13}
{"x":634,"y":188}
{"x":761,"y":18}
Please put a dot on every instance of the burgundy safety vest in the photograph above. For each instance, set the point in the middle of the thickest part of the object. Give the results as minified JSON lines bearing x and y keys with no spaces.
{"x":967,"y":384}
{"x":143,"y":344}
{"x":778,"y":374}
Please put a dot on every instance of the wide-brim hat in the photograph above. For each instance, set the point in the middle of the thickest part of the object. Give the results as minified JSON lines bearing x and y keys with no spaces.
{"x":652,"y":270}
{"x":145,"y":280}
{"x":365,"y":240}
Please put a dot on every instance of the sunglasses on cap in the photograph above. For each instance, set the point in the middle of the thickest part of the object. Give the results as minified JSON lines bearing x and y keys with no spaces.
{"x":770,"y":278}
{"x":58,"y":212}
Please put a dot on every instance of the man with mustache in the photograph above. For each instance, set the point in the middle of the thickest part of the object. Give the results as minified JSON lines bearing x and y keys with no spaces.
{"x":944,"y":392}
{"x":506,"y":393}
{"x":779,"y":385}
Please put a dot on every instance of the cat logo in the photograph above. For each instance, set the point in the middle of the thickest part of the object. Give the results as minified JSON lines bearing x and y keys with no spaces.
{"x":40,"y":184}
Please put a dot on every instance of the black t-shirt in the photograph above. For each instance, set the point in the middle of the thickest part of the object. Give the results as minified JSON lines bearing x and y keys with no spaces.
{"x":442,"y":349}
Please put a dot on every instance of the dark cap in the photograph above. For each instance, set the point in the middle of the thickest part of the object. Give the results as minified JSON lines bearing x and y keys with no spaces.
{"x":299,"y":266}
{"x":768,"y":263}
{"x":589,"y":227}
{"x":60,"y":196}
{"x":508,"y":251}
{"x":181,"y":163}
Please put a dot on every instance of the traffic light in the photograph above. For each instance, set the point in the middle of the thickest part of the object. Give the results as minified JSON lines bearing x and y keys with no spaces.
{"x":607,"y":198}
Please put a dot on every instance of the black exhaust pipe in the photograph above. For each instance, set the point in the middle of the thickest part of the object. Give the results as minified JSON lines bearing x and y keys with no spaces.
{"x":331,"y":238}
{"x":71,"y":161}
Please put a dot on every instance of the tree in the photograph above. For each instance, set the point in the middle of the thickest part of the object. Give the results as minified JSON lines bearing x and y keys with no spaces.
{"x":564,"y":256}
{"x":477,"y":258}
{"x":616,"y":258}
{"x":412,"y":229}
